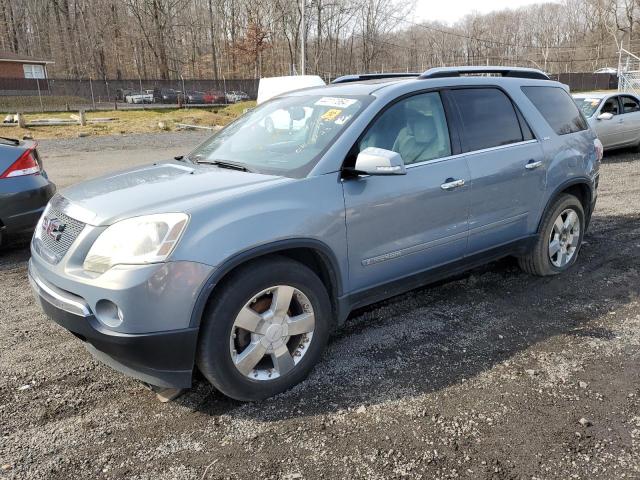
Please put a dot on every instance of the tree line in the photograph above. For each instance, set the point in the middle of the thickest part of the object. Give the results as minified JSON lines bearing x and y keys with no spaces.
{"x":172,"y":39}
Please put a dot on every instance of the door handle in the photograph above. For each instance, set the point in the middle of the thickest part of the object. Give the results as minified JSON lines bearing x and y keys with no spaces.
{"x":533,"y":165}
{"x":450,"y":184}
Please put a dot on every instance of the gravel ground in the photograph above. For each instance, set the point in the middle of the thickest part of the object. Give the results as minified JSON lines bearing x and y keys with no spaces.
{"x":494,"y":374}
{"x":72,"y":160}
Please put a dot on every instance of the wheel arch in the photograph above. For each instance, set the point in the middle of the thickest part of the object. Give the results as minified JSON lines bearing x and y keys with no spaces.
{"x":580,"y":188}
{"x":310,"y":252}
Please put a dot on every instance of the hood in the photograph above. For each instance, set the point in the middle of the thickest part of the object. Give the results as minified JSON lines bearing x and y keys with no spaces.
{"x":159,"y":188}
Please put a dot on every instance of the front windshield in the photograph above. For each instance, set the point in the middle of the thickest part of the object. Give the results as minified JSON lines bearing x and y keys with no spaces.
{"x":587,"y":105}
{"x":285,"y":136}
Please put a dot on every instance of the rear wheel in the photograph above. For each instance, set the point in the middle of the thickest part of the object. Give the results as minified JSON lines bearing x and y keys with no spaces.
{"x":265,"y":329}
{"x":559,"y":240}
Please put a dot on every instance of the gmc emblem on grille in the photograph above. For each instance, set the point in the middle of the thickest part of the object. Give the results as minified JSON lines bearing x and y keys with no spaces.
{"x":53,"y":227}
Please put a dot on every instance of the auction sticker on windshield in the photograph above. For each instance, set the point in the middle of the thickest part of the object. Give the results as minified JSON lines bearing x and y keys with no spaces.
{"x":331,"y":114}
{"x":335,"y":102}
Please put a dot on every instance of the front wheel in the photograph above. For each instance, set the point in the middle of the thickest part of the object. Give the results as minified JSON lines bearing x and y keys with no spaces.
{"x":559,"y":239}
{"x":264,"y":330}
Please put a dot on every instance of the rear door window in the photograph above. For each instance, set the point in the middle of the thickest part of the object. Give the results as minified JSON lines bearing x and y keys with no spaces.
{"x":557,"y":108}
{"x":488,"y":118}
{"x":629,"y":104}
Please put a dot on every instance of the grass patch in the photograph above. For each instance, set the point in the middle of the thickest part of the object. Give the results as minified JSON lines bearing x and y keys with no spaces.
{"x":128,"y":121}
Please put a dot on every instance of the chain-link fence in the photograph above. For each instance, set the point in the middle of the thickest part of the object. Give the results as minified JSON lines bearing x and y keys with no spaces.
{"x":585,"y":82}
{"x":33,"y":95}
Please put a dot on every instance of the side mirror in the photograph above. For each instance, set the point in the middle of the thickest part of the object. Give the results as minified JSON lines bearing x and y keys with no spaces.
{"x":605,"y":116}
{"x":378,"y":161}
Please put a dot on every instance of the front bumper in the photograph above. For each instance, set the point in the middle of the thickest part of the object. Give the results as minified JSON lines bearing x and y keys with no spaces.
{"x":162,"y":358}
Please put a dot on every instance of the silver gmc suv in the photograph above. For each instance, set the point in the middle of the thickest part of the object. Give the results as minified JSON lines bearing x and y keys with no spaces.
{"x":240,"y":258}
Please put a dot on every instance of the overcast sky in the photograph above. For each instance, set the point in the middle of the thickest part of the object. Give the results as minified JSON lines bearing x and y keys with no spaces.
{"x":449,"y":11}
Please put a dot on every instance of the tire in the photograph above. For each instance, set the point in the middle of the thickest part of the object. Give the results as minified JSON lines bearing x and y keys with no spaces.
{"x":223,"y":345}
{"x":568,"y":238}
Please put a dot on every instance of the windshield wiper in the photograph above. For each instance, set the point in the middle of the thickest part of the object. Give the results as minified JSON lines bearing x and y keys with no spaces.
{"x":229,"y":165}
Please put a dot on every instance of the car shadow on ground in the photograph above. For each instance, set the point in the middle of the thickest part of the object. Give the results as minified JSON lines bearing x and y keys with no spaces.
{"x":621,"y":155}
{"x":432,"y":338}
{"x":14,"y":250}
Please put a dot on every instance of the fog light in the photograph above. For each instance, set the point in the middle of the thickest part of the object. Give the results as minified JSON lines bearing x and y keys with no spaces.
{"x":109,"y":313}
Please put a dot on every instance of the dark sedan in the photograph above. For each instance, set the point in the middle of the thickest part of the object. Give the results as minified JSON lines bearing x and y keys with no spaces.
{"x":165,"y":95}
{"x":25,"y":188}
{"x":195,"y":97}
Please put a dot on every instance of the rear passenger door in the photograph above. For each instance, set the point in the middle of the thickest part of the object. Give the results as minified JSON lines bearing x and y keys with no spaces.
{"x":630,"y":124}
{"x":506,"y":165}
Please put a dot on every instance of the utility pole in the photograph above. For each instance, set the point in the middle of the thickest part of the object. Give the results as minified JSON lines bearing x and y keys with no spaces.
{"x":302,"y":42}
{"x":184,"y":93}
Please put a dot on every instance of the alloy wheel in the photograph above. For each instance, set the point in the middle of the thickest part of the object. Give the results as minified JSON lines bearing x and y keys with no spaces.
{"x":272,"y":333}
{"x":564,"y":238}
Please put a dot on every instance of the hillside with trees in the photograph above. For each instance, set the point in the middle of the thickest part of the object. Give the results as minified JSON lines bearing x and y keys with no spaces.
{"x":167,"y":39}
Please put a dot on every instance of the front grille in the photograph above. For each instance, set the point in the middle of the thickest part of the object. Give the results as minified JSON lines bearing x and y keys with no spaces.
{"x":56,"y":244}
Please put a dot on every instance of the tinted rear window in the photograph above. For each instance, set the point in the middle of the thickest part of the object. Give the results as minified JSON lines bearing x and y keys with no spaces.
{"x":488,"y":118}
{"x":558,"y":109}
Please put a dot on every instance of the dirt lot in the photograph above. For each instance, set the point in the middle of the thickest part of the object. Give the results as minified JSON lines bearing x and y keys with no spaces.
{"x":494,"y":374}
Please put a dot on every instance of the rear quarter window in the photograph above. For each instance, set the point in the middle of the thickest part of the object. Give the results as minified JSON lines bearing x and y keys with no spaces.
{"x":558,"y":109}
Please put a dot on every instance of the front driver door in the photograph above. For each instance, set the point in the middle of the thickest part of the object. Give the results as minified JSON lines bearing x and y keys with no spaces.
{"x":609,"y":131}
{"x":404,"y":224}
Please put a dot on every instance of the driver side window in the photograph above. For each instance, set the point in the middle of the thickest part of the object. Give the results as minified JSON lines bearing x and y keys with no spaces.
{"x":611,"y":106}
{"x":415,"y":127}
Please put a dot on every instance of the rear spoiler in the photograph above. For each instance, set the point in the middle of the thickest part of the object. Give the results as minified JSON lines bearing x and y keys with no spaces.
{"x":513,"y":72}
{"x":10,"y":141}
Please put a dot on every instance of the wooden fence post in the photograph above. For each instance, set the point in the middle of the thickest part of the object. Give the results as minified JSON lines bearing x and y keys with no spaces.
{"x":21,"y":122}
{"x":83,"y":120}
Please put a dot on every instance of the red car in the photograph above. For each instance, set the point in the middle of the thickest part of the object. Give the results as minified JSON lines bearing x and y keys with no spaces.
{"x":214,"y":96}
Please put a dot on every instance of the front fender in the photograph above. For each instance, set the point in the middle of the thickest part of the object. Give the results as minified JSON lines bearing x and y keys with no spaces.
{"x":306,"y":213}
{"x":328,"y":256}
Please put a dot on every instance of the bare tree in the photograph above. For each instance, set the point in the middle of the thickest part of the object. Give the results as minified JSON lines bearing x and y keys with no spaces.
{"x":245,"y":38}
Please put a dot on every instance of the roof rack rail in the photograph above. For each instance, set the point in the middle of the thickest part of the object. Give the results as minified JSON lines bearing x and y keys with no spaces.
{"x":514,"y":72}
{"x":372,"y":76}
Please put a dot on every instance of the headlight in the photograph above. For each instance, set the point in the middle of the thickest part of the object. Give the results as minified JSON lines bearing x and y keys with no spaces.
{"x":136,"y":241}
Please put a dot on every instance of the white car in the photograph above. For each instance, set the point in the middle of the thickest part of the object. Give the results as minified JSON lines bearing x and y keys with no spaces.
{"x":615,"y":117}
{"x":235,"y":97}
{"x":140,"y":97}
{"x":609,"y":70}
